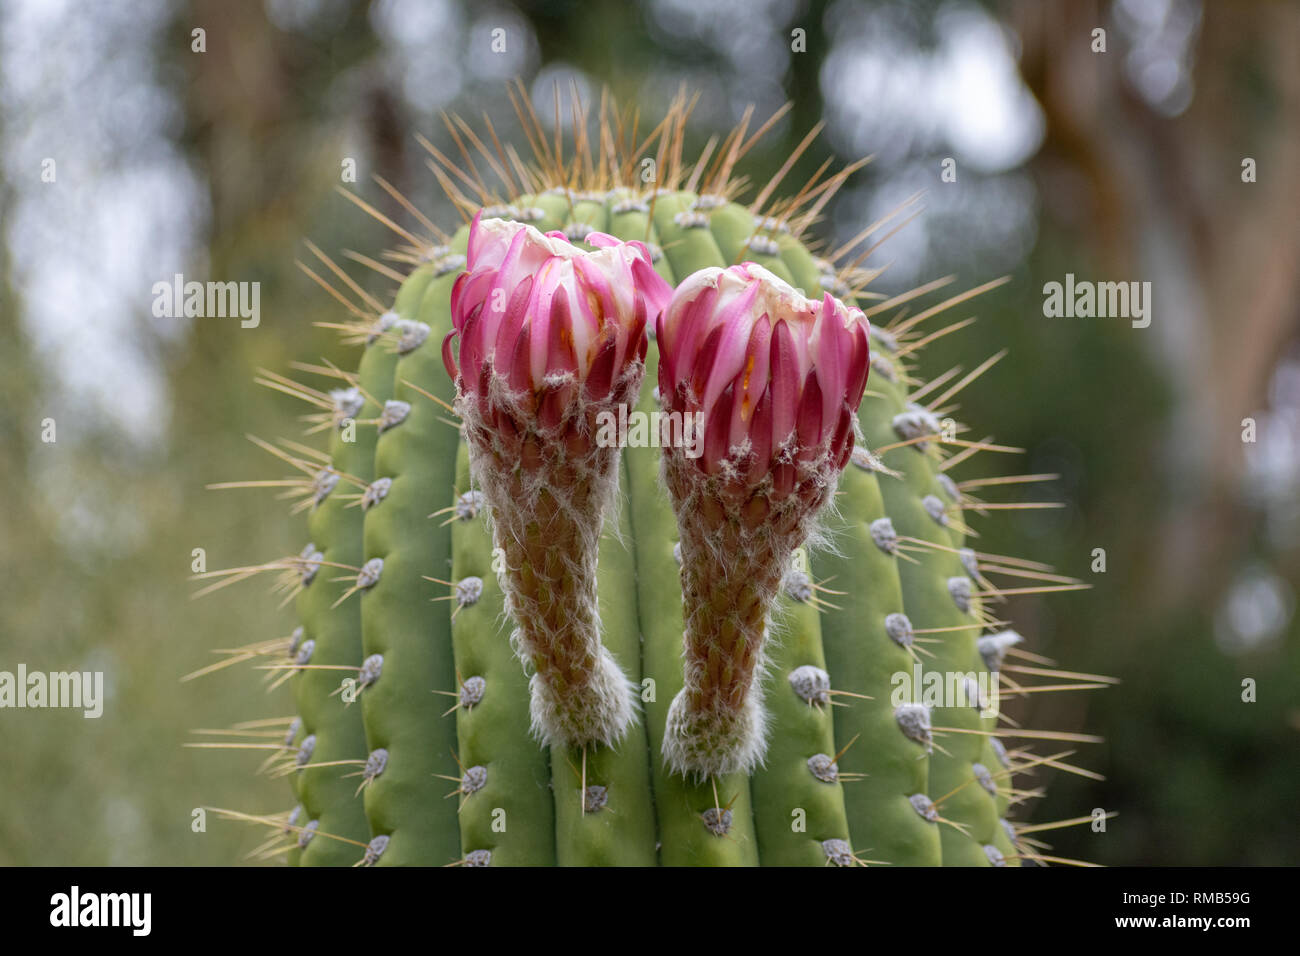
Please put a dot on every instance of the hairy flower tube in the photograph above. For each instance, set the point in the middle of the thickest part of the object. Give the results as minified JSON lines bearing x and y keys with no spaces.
{"x":550,"y":336}
{"x":778,"y":378}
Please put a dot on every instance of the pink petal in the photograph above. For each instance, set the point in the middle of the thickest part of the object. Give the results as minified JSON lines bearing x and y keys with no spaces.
{"x":601,"y":377}
{"x":448,"y":352}
{"x":515,"y":317}
{"x":843,"y":435}
{"x":503,"y":286}
{"x":809,"y":424}
{"x":519,"y":369}
{"x":760,"y":435}
{"x":591,"y":278}
{"x":758,"y":356}
{"x":685,"y":324}
{"x":559,"y":355}
{"x":834,"y":352}
{"x":784,"y":368}
{"x":751,"y":380}
{"x":471,"y":343}
{"x":703,"y":365}
{"x":457,"y":294}
{"x":716,"y":444}
{"x":636,"y":336}
{"x":652,"y":286}
{"x":729,"y":357}
{"x":582,"y":314}
{"x":859,"y":365}
{"x":471,"y":293}
{"x":472,"y":248}
{"x":514,"y":252}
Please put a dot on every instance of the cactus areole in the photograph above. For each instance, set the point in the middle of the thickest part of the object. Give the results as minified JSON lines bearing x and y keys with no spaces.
{"x":561,"y":649}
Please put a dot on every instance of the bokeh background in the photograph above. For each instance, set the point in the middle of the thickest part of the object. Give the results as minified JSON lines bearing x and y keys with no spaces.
{"x":1122,"y":165}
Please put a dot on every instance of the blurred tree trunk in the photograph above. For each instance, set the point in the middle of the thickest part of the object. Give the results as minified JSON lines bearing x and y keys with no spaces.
{"x":1162,"y":199}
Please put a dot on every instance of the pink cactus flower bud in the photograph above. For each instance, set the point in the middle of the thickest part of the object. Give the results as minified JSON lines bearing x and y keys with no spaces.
{"x":544,"y":309}
{"x":778,"y":379}
{"x":550,"y":337}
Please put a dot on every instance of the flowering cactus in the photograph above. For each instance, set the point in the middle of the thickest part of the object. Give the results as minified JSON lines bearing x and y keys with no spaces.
{"x":530,"y":322}
{"x":551,"y":336}
{"x":777,"y":378}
